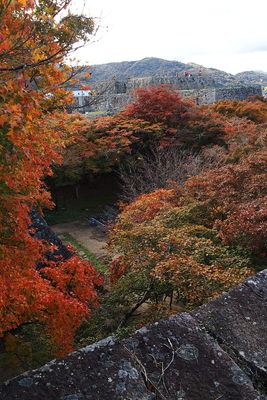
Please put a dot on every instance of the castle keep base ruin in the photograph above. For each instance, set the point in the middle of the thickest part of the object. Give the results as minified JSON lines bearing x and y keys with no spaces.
{"x":113,"y":95}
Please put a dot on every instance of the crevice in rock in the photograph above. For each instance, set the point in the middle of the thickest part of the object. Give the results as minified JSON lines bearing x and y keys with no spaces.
{"x":257,"y":377}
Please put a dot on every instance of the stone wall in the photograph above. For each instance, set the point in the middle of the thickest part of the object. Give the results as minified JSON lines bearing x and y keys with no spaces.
{"x":216,"y":352}
{"x":115,"y":102}
{"x":180,"y":82}
{"x":238,"y":93}
{"x":211,"y":95}
{"x":202,"y":89}
{"x":200,"y":96}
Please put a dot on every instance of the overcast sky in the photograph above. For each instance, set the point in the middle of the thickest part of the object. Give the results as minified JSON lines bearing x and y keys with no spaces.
{"x":230,"y":35}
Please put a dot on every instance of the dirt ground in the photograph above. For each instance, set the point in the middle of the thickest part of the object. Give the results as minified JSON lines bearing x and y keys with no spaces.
{"x":90,"y":237}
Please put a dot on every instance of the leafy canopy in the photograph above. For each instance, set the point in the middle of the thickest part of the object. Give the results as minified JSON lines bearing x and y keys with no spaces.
{"x":35,"y":37}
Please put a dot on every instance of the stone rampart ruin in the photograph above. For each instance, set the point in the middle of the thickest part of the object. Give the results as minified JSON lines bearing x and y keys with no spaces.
{"x":114,"y":95}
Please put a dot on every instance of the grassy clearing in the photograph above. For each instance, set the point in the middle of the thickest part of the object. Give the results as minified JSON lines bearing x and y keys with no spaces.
{"x":100,"y":112}
{"x":84,"y":252}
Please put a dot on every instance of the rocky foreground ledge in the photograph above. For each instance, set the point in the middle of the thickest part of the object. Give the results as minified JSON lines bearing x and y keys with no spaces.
{"x":216,"y":352}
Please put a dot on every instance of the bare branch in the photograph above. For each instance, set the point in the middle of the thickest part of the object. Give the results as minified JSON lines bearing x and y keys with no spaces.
{"x":161,"y":168}
{"x":138,"y":304}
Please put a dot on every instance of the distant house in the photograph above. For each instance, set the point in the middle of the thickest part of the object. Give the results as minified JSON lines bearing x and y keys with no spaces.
{"x":81,"y":93}
{"x":81,"y":96}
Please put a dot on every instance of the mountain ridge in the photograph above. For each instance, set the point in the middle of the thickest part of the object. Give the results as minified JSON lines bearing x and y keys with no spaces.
{"x":152,"y":66}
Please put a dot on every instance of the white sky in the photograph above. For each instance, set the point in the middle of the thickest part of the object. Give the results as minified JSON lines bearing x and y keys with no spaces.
{"x":230,"y":35}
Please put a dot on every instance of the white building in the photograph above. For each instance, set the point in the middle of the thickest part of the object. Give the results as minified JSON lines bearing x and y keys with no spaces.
{"x":81,"y":95}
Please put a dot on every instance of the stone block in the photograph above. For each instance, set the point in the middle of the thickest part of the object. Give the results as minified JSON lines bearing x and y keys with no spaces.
{"x":170,"y":360}
{"x":181,"y":361}
{"x":102,"y":371}
{"x":238,"y":320}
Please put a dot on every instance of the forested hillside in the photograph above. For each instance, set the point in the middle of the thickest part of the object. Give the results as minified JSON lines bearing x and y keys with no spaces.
{"x":159,"y":67}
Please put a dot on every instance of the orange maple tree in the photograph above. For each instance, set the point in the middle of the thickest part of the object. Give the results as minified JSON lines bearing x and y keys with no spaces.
{"x":35,"y":37}
{"x":159,"y":104}
{"x":164,"y":248}
{"x":254,"y":108}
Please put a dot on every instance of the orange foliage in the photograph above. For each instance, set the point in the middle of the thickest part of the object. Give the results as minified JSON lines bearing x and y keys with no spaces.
{"x":159,"y":104}
{"x":237,"y":195}
{"x":32,"y":48}
{"x":101,"y":144}
{"x":255,"y":110}
{"x":165,"y":244}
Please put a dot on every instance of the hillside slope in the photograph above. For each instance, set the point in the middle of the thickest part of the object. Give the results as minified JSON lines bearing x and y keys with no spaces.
{"x":159,"y":67}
